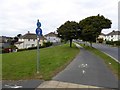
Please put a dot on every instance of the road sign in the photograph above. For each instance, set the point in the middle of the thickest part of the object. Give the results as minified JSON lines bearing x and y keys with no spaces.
{"x":39,"y":31}
{"x":38,"y":23}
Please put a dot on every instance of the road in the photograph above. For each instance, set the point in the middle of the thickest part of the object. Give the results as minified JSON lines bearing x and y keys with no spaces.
{"x":88,"y":69}
{"x":29,"y":84}
{"x":112,"y":51}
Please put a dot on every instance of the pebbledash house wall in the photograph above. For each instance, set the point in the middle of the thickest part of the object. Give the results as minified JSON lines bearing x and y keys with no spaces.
{"x":53,"y":39}
{"x":113,"y":38}
{"x":26,"y":43}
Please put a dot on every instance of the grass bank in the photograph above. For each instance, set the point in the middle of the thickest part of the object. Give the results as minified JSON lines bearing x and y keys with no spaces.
{"x":22,"y":65}
{"x":111,"y":63}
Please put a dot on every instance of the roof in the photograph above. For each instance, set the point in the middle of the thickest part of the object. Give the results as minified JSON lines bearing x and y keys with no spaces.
{"x":52,"y":34}
{"x":103,"y":34}
{"x":114,"y":33}
{"x":18,"y":42}
{"x":31,"y":36}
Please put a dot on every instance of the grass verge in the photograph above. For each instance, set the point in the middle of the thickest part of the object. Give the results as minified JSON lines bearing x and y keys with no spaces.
{"x":111,"y":63}
{"x":22,"y":65}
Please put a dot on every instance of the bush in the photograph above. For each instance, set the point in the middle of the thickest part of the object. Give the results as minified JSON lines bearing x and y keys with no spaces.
{"x":47,"y":44}
{"x":100,"y":40}
{"x":110,"y":42}
{"x":117,"y":43}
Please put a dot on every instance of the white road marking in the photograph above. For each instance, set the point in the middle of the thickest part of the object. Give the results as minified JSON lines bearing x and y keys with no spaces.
{"x":83,"y":71}
{"x":13,"y":86}
{"x":83,"y":66}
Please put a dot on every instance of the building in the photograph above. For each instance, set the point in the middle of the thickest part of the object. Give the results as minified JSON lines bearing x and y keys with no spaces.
{"x":29,"y":40}
{"x":52,"y":37}
{"x":113,"y":36}
{"x":4,"y":41}
{"x":102,"y":36}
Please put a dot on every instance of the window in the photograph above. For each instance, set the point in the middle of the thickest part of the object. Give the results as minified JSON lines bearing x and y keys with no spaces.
{"x":28,"y":39}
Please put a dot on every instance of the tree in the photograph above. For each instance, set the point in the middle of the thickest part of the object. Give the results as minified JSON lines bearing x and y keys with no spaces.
{"x":92,"y":26}
{"x":19,"y":35}
{"x":69,"y":31}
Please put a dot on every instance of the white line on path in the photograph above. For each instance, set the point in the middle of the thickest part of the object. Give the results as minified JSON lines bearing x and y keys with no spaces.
{"x":13,"y":86}
{"x":83,"y":71}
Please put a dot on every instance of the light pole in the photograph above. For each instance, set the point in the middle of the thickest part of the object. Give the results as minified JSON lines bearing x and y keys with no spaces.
{"x":39,"y":34}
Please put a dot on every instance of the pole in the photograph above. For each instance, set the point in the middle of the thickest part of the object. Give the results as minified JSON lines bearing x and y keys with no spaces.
{"x":38,"y":54}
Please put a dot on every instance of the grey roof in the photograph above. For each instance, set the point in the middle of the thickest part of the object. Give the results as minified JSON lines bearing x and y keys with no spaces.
{"x":52,"y":34}
{"x":114,"y":33}
{"x":103,"y":34}
{"x":31,"y":36}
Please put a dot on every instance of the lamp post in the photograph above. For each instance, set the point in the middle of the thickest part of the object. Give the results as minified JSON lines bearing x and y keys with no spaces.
{"x":39,"y":34}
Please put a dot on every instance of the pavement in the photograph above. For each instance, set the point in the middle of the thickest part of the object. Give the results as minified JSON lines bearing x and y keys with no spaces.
{"x":85,"y":71}
{"x":58,"y":84}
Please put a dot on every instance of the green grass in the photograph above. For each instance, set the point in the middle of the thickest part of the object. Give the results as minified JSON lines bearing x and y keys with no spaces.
{"x":22,"y":65}
{"x":114,"y":66}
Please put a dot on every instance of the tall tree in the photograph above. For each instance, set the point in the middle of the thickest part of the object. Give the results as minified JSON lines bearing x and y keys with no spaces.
{"x":68,"y":31}
{"x":92,"y":26}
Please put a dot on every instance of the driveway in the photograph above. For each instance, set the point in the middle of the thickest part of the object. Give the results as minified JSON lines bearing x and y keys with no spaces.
{"x":88,"y":69}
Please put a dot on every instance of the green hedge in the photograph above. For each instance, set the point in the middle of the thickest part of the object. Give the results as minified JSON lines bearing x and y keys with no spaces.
{"x":117,"y":43}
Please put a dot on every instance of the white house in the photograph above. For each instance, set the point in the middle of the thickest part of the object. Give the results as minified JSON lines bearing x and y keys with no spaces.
{"x":113,"y":36}
{"x":102,"y":36}
{"x":29,"y":40}
{"x":52,"y":37}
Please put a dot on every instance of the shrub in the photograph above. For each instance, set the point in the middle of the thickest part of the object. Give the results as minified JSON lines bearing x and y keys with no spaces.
{"x":47,"y":44}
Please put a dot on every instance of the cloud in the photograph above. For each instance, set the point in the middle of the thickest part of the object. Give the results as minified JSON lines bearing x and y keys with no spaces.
{"x":20,"y":16}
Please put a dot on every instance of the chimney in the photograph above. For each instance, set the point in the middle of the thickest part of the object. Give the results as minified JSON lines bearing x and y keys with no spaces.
{"x":28,"y":32}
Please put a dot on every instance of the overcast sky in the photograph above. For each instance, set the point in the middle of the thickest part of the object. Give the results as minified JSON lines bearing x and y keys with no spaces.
{"x":20,"y":16}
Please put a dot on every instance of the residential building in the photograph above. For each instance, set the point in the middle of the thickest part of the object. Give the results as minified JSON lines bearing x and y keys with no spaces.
{"x":102,"y":36}
{"x":4,"y":41}
{"x":113,"y":36}
{"x":29,"y":40}
{"x":52,"y":37}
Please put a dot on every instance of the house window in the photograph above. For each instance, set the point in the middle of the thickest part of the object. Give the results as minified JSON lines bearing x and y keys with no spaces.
{"x":28,"y":39}
{"x":33,"y":39}
{"x":33,"y":45}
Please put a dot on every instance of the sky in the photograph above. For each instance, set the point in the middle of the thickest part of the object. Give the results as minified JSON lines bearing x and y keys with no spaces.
{"x":20,"y":16}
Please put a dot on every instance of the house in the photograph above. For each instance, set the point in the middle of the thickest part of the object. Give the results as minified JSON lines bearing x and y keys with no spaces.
{"x":4,"y":41}
{"x":29,"y":40}
{"x":101,"y":38}
{"x":52,"y":37}
{"x":113,"y":36}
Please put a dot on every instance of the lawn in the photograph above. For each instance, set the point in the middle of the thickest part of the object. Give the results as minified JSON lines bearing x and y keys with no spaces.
{"x":111,"y":63}
{"x":22,"y":65}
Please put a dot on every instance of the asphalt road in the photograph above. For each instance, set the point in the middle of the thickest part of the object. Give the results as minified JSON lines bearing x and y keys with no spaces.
{"x":113,"y":51}
{"x":88,"y":69}
{"x":28,"y":84}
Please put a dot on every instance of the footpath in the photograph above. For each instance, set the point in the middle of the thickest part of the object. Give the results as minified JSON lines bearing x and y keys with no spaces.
{"x":85,"y":71}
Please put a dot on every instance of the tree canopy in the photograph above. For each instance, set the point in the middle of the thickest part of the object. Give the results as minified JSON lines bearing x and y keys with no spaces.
{"x":92,"y":26}
{"x":69,"y":30}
